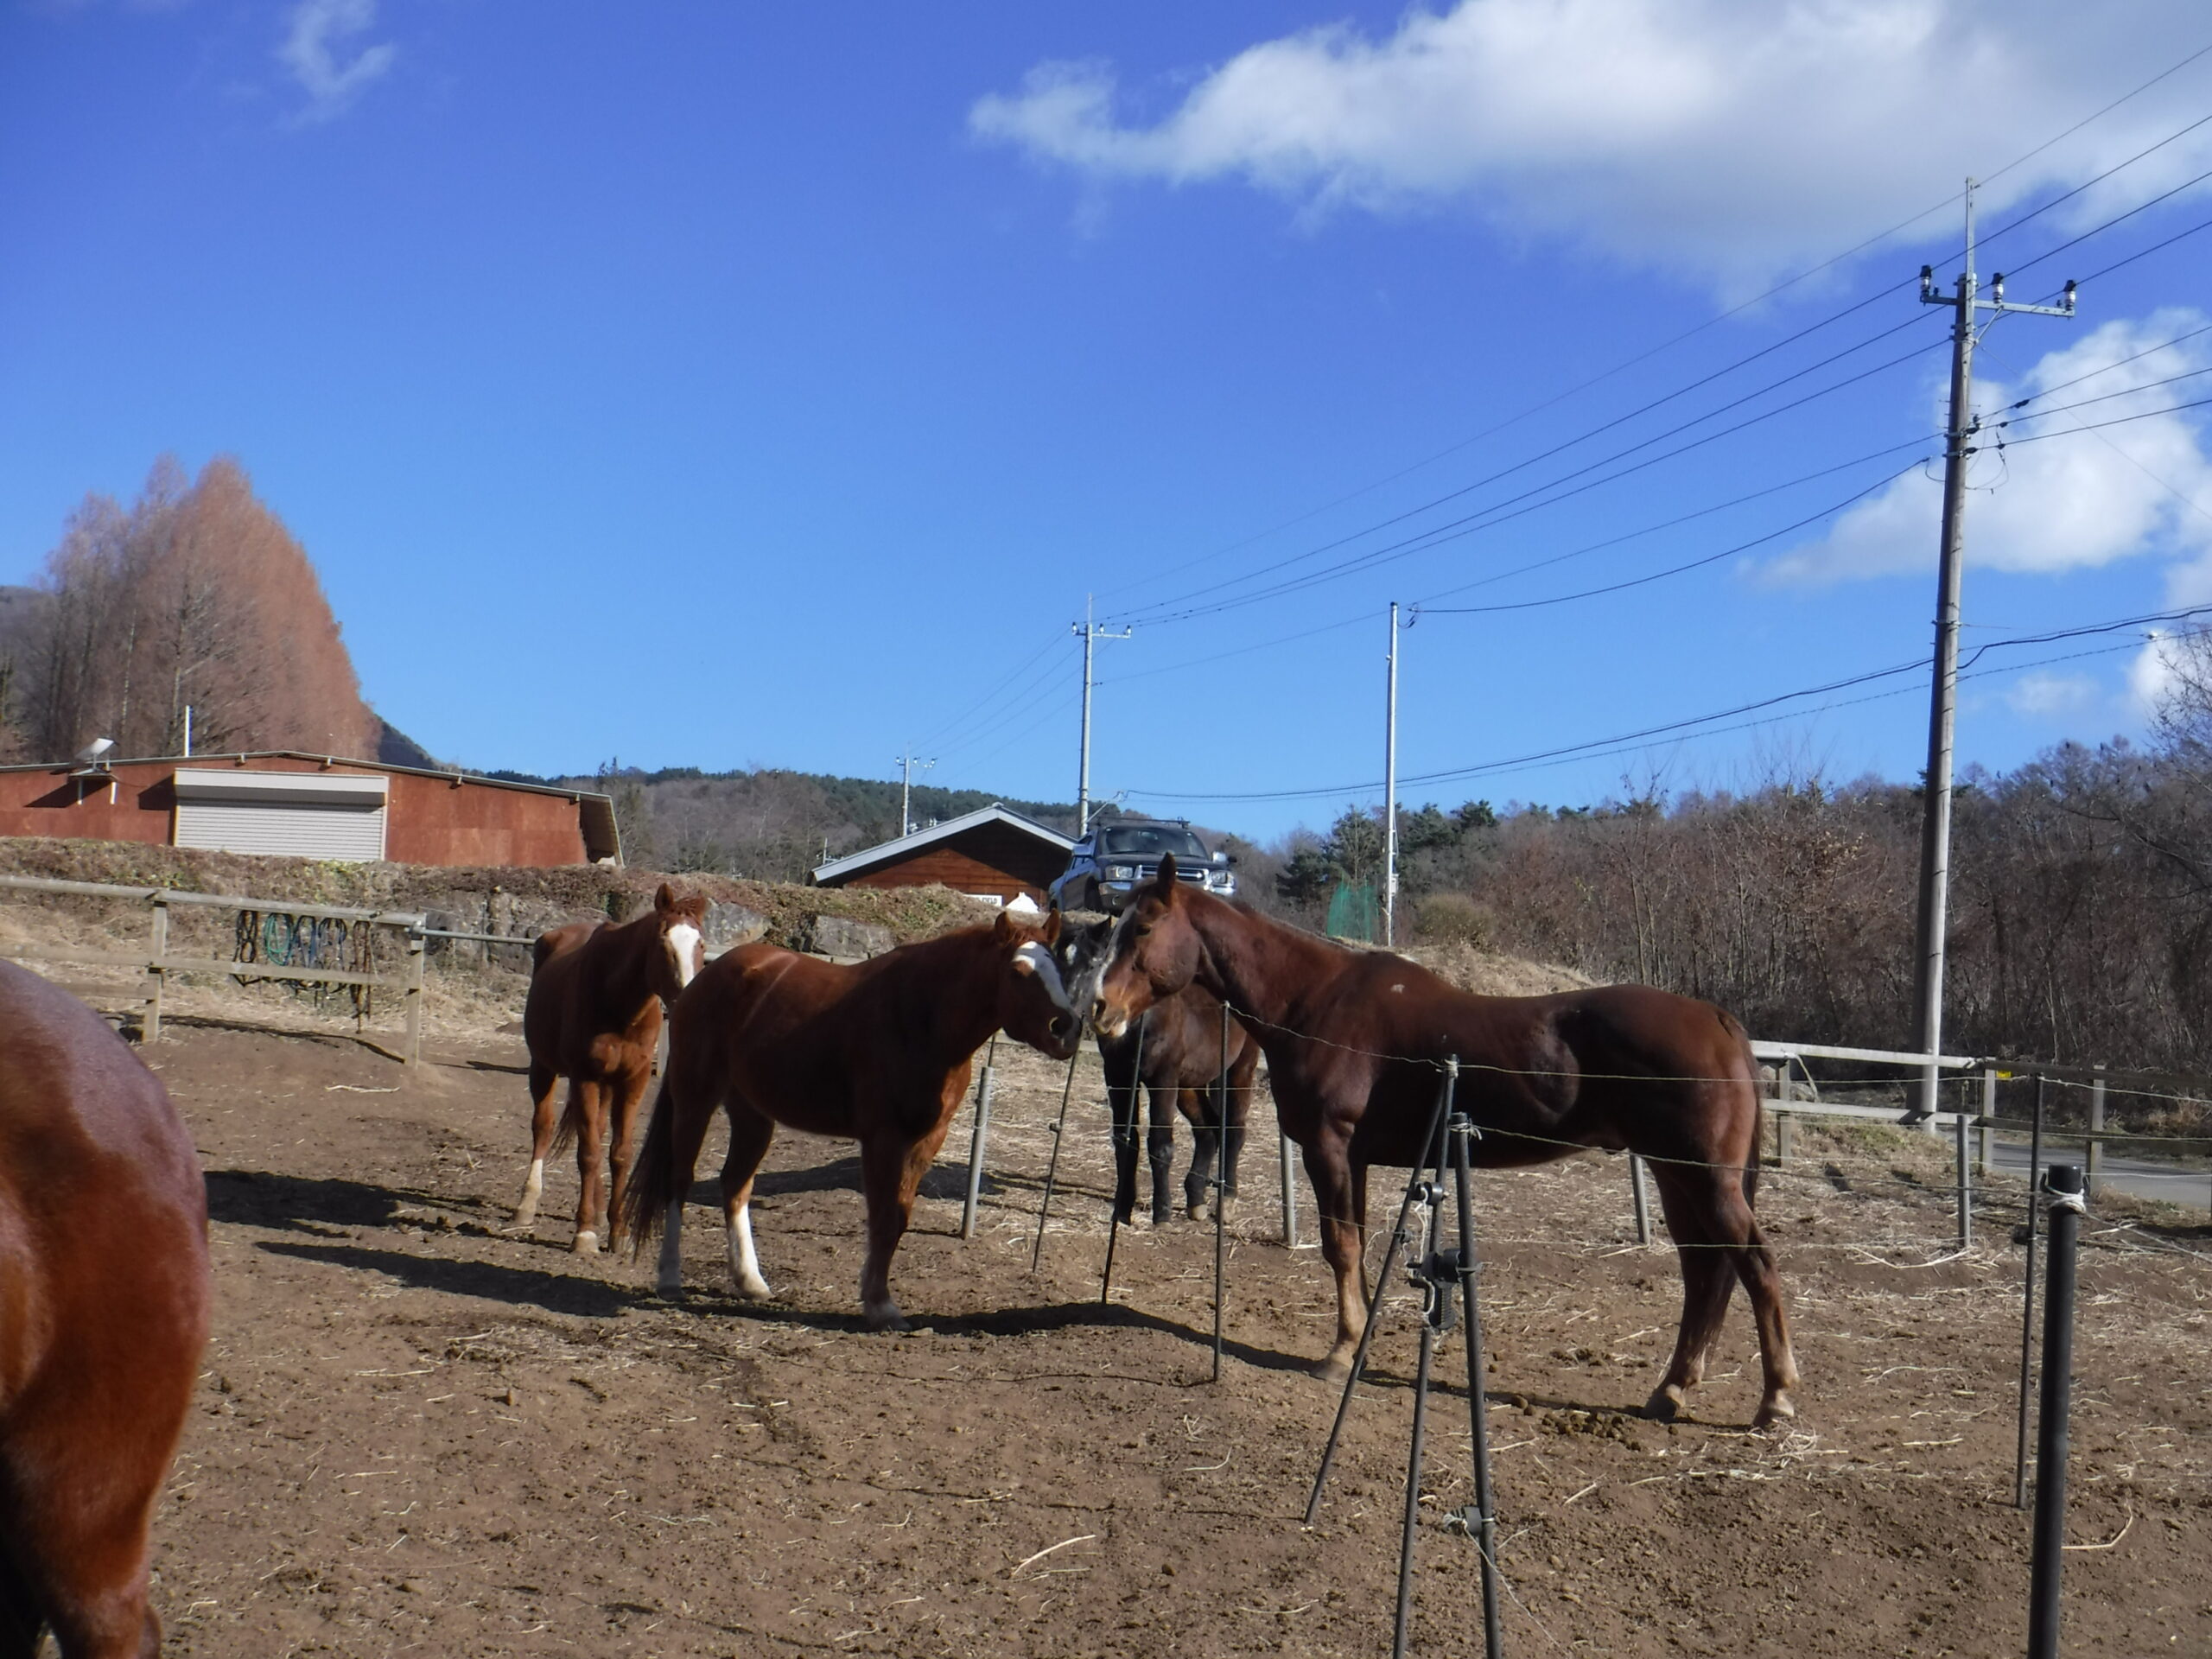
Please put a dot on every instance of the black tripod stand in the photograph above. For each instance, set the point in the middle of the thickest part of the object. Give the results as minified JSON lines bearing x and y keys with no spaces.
{"x":1436,"y":1274}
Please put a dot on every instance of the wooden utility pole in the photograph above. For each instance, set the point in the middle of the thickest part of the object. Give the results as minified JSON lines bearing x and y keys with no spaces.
{"x":1935,"y":801}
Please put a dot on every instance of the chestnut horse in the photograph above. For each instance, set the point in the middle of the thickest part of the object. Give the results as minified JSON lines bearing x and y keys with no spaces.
{"x":1356,"y":1042}
{"x":104,"y":1282}
{"x":1180,"y":1050}
{"x":596,"y":992}
{"x":877,"y":1052}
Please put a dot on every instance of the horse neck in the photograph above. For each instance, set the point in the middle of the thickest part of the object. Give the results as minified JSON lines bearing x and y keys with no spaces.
{"x":628,"y":980}
{"x":1257,"y":966}
{"x":952,"y":983}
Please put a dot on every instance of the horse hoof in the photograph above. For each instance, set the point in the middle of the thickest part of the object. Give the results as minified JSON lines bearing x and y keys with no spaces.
{"x":887,"y":1320}
{"x":1664,"y":1406}
{"x":1334,"y":1370}
{"x":587,"y":1244}
{"x":1197,"y":1212}
{"x":670,"y":1290}
{"x":524,"y":1218}
{"x":757,"y":1291}
{"x":1775,"y":1410}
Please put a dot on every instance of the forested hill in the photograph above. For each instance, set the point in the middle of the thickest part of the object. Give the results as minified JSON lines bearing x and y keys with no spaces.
{"x":769,"y":824}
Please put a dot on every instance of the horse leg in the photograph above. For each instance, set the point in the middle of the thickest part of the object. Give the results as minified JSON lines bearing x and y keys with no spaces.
{"x":1122,"y":1100}
{"x":1159,"y":1152}
{"x":1339,"y":1199}
{"x":1749,"y":1259}
{"x":1205,"y":1147}
{"x":543,"y":1118}
{"x":1707,"y":1281}
{"x":587,"y":1107}
{"x":892,"y":1168}
{"x":750,"y":1132}
{"x":629,"y":1093}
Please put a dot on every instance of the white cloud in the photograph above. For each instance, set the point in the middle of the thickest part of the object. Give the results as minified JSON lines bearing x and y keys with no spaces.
{"x":2072,"y":502}
{"x":1727,"y":139}
{"x":320,"y":31}
{"x":2049,"y":697}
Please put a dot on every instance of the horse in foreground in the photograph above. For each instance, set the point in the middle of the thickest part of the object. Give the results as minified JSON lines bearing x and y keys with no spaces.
{"x":1356,"y":1042}
{"x":877,"y":1052}
{"x":104,"y":1282}
{"x":1179,"y":1051}
{"x":596,"y":993}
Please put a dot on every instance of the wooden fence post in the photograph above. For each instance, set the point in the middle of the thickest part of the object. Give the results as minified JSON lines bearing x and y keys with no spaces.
{"x":415,"y":943}
{"x":1783,"y":1137}
{"x":157,"y":976}
{"x":2095,"y":1161}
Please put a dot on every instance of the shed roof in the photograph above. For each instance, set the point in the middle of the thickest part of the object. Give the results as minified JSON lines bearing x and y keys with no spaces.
{"x":899,"y":847}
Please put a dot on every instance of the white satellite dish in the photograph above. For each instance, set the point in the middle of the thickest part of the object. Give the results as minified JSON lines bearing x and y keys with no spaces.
{"x":96,"y":751}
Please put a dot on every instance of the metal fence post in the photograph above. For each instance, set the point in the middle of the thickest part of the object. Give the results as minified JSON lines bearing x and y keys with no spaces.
{"x":1965,"y":1184}
{"x":1289,"y":1196}
{"x":1985,"y":1152}
{"x":157,"y":976}
{"x":2095,"y":1160}
{"x":976,"y":1144}
{"x":415,"y":943}
{"x":2063,"y":1183}
{"x":1642,"y":1202}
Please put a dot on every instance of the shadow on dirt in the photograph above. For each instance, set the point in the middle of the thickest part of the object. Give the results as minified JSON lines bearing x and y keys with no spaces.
{"x":254,"y":1197}
{"x":486,"y":1280}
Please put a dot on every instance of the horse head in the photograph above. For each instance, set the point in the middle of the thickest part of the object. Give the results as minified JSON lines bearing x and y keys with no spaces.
{"x":1081,"y":952}
{"x":1034,"y":1007}
{"x":1154,"y":954}
{"x":683,"y":940}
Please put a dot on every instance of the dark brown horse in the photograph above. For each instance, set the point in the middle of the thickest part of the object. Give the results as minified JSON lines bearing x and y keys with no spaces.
{"x":102,"y":1313}
{"x":1356,"y":1042}
{"x":877,"y":1052}
{"x":596,"y":993}
{"x":1180,"y":1050}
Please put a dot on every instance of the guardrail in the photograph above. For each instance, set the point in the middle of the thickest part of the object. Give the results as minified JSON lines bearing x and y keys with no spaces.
{"x":158,"y":963}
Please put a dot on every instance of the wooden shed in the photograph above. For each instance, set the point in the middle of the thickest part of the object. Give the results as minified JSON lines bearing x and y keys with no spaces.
{"x":311,"y":806}
{"x":993,"y":853}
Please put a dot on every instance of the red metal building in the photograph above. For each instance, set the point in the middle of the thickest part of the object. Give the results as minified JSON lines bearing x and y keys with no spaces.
{"x":311,"y":806}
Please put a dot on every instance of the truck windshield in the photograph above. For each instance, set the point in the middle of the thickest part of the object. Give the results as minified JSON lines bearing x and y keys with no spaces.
{"x":1156,"y":838}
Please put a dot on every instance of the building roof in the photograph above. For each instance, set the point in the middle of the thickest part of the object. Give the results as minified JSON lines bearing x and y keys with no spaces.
{"x":595,"y":812}
{"x":888,"y":851}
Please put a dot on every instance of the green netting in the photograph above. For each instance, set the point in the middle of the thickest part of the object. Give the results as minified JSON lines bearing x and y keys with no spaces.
{"x":1352,"y":912}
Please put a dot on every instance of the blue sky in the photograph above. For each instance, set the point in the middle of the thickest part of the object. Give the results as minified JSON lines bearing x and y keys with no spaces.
{"x":733,"y":386}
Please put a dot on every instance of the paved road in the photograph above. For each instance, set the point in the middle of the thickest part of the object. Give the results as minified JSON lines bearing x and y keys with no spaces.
{"x":2138,"y":1177}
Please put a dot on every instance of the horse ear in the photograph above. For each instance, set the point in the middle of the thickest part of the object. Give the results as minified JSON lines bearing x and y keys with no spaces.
{"x":665,"y":898}
{"x":1164,"y":883}
{"x":1002,"y":928}
{"x":1053,"y":925}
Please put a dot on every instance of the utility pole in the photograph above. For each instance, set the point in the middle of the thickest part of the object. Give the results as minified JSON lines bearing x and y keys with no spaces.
{"x":1936,"y":803}
{"x":1391,"y":793}
{"x":906,"y":791}
{"x":1090,"y":632}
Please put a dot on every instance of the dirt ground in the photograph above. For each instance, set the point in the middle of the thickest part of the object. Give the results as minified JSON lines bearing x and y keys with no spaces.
{"x":419,"y":1432}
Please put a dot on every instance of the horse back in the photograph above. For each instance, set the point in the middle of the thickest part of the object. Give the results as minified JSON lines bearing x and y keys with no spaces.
{"x":103,"y":1278}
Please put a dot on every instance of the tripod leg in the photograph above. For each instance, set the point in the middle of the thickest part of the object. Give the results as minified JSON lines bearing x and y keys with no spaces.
{"x":1398,"y":1241}
{"x":1484,"y":1519}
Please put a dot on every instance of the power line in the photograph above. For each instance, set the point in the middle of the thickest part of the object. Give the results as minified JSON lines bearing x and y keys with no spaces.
{"x":1713,"y":322}
{"x":1568,"y":751}
{"x":1694,"y":564}
{"x":991,"y":696}
{"x":1495,"y":514}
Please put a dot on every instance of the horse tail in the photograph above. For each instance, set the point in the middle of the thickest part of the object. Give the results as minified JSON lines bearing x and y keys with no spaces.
{"x":655,"y":1181}
{"x":572,"y":1122}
